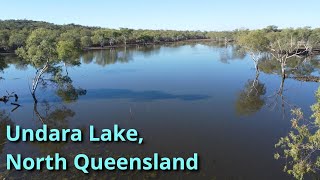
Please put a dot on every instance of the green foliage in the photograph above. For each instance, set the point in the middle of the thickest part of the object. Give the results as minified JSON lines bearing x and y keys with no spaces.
{"x":44,"y":46}
{"x":17,"y":39}
{"x":271,"y":28}
{"x":3,"y":64}
{"x":14,"y":34}
{"x":251,"y":100}
{"x":269,"y":66}
{"x":68,"y":49}
{"x":65,"y":88}
{"x":71,"y":36}
{"x":126,"y":34}
{"x":255,"y":41}
{"x":316,"y":110}
{"x":40,"y":47}
{"x":69,"y":93}
{"x":86,"y":41}
{"x":295,"y":67}
{"x":57,"y":76}
{"x":314,"y":38}
{"x":4,"y":39}
{"x":301,"y":146}
{"x":286,"y":40}
{"x":99,"y":37}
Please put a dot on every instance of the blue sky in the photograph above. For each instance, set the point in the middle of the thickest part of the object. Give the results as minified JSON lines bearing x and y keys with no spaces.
{"x":168,"y":14}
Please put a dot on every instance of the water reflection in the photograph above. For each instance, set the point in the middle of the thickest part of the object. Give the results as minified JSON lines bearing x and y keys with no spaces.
{"x":4,"y":121}
{"x":140,"y":95}
{"x":118,"y":55}
{"x":251,"y":98}
{"x":3,"y":64}
{"x":11,"y":59}
{"x":296,"y":66}
{"x":278,"y":101}
{"x":64,"y":88}
{"x":105,"y":57}
{"x":231,"y":53}
{"x":182,"y":95}
{"x":54,"y":116}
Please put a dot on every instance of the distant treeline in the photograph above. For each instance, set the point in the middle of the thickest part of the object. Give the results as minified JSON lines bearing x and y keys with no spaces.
{"x":14,"y":34}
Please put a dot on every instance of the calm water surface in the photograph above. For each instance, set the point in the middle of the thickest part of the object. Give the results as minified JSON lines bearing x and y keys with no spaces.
{"x":182,"y":99}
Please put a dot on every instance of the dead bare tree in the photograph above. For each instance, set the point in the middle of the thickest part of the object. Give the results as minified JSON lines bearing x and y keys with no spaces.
{"x":289,"y":43}
{"x":282,"y":54}
{"x":7,"y":98}
{"x":278,"y":100}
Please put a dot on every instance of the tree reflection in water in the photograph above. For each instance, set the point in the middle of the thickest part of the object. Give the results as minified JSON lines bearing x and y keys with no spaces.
{"x":57,"y":115}
{"x":301,"y":146}
{"x":250,"y":99}
{"x":62,"y":83}
{"x":54,"y":116}
{"x":4,"y":121}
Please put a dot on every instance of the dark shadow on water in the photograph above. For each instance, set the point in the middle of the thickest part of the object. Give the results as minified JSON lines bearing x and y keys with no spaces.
{"x":136,"y":96}
{"x":140,"y":95}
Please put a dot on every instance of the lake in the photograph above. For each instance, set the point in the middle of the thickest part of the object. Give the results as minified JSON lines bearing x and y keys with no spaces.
{"x":182,"y":98}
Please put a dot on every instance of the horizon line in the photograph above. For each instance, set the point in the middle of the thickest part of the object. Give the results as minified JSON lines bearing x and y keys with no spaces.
{"x":102,"y":27}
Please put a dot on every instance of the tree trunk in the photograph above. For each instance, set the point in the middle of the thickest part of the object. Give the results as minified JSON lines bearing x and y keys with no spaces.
{"x":256,"y":66}
{"x":35,"y":109}
{"x":36,"y":80}
{"x":283,"y":71}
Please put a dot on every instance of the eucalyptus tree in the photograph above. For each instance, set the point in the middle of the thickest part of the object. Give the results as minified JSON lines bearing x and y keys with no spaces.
{"x":99,"y":37}
{"x":45,"y":50}
{"x":283,"y":45}
{"x":157,"y":37}
{"x":301,"y":147}
{"x":4,"y":40}
{"x":85,"y":38}
{"x":271,"y":28}
{"x":68,"y":49}
{"x":17,"y":39}
{"x":314,"y":39}
{"x":256,"y":43}
{"x":287,"y":44}
{"x":141,"y":37}
{"x":113,"y":36}
{"x":125,"y":34}
{"x":86,"y":41}
{"x":40,"y":51}
{"x":69,"y":54}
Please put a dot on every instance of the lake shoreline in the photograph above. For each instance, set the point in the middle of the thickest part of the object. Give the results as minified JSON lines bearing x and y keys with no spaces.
{"x":134,"y":44}
{"x":145,"y":44}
